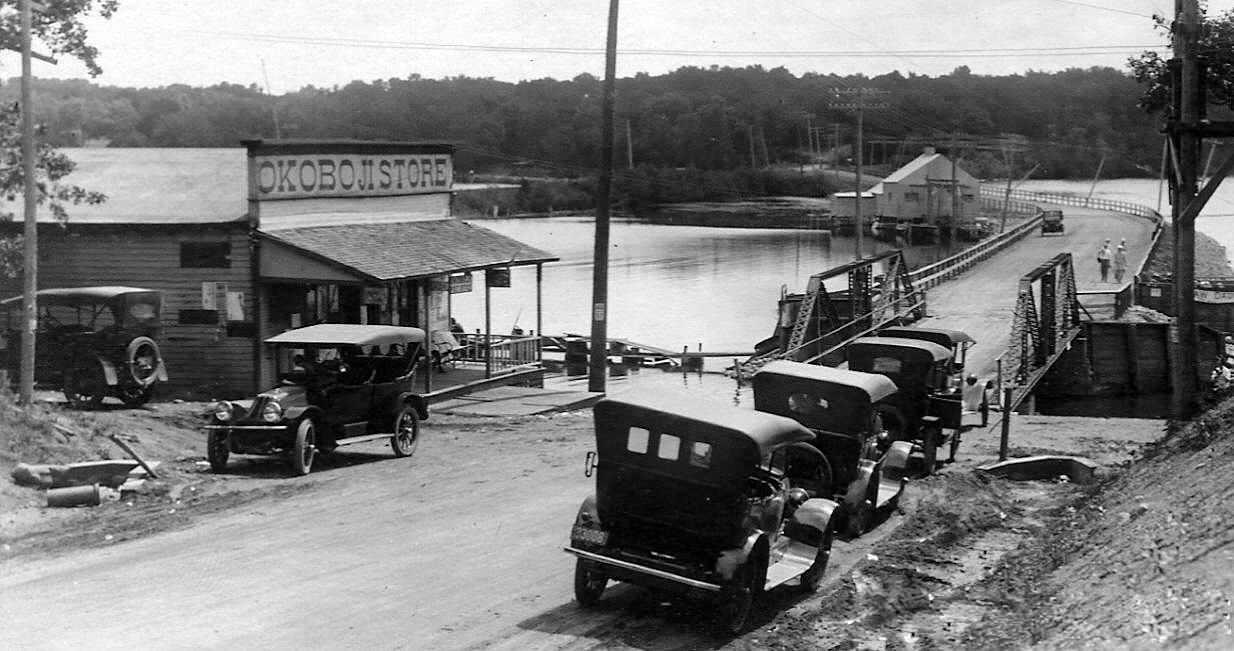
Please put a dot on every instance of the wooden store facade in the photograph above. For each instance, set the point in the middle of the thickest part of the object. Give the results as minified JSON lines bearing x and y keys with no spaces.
{"x":247,"y":243}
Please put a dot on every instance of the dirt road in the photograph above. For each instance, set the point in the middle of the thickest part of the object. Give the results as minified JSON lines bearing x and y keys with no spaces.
{"x":458,"y":547}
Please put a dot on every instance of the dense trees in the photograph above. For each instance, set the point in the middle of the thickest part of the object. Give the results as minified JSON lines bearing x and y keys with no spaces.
{"x":705,"y":118}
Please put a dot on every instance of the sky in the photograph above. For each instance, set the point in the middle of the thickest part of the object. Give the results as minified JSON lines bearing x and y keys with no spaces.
{"x":284,"y":45}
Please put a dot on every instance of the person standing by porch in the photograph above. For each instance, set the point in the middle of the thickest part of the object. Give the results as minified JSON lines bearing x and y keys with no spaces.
{"x":1103,"y":260}
{"x":1120,"y":261}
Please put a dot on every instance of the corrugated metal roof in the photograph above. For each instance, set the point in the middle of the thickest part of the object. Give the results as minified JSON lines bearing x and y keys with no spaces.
{"x":391,"y":251}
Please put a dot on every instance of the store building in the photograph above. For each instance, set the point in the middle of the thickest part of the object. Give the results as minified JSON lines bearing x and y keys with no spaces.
{"x":246,"y":243}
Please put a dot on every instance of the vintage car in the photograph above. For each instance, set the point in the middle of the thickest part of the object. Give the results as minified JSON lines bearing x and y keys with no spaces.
{"x":699,"y":501}
{"x":926,"y":409}
{"x":1051,"y":222}
{"x":91,"y":342}
{"x":861,"y":468}
{"x":956,"y":341}
{"x":344,"y":384}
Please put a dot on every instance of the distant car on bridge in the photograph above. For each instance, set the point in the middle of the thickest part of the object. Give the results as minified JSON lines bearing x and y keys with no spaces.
{"x":1051,"y":222}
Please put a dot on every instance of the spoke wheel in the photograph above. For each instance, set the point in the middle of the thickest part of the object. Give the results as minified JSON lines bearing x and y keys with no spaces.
{"x":218,"y":449}
{"x":305,"y":447}
{"x":406,"y":432}
{"x":589,"y":583}
{"x":736,"y":601}
{"x":813,"y":577}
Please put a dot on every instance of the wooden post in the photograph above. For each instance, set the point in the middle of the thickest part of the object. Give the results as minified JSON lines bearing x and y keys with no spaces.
{"x":1005,"y":438}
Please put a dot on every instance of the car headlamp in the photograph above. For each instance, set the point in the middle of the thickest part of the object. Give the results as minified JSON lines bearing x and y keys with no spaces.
{"x":272,"y":412}
{"x":221,"y":411}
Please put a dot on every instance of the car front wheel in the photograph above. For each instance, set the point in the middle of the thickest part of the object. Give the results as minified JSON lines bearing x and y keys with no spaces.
{"x":406,"y":432}
{"x":218,"y":449}
{"x":305,"y":446}
{"x":589,"y":583}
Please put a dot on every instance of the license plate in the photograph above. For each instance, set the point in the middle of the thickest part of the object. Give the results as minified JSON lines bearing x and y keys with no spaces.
{"x":593,"y":536}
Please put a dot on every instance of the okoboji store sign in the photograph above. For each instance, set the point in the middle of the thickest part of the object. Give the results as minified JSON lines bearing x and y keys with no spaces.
{"x":307,"y":170}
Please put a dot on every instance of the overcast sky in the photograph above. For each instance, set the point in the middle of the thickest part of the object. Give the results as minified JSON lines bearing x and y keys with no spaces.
{"x":327,"y":43}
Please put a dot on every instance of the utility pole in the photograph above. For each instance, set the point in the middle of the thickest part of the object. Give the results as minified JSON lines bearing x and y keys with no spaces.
{"x":31,"y":252}
{"x":859,"y":100}
{"x":1188,"y":103}
{"x":598,"y":360}
{"x":629,"y":146}
{"x":753,"y":160}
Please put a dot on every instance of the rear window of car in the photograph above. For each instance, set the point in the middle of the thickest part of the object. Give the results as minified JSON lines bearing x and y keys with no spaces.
{"x":637,"y":440}
{"x":886,"y":365}
{"x":669,"y":448}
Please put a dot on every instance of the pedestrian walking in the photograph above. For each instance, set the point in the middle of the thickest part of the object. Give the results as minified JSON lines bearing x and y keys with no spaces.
{"x":1103,"y":260}
{"x":1120,"y":261}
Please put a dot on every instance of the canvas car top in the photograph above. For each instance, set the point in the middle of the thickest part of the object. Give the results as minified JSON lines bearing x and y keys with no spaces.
{"x":765,"y":431}
{"x":935,"y":335}
{"x":349,"y":334}
{"x":937,"y":352}
{"x":70,"y":295}
{"x":875,"y":385}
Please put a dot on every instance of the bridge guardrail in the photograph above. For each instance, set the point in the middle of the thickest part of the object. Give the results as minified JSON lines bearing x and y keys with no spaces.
{"x":935,"y":273}
{"x":1099,"y":203}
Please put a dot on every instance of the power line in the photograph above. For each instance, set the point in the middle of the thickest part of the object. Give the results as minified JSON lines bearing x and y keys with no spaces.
{"x":1084,"y":50}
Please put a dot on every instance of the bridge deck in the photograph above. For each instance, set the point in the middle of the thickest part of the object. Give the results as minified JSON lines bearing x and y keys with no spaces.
{"x":982,"y":301}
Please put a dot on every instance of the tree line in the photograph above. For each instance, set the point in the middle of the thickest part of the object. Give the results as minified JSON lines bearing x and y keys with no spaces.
{"x":1067,"y":123}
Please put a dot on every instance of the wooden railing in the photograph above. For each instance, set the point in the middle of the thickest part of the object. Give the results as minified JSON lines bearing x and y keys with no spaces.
{"x":934,"y":274}
{"x":499,"y":353}
{"x":1139,"y":210}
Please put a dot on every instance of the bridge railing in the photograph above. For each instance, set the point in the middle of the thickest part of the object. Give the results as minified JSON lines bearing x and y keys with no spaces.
{"x":1059,"y":198}
{"x":947,"y":268}
{"x":500,"y":353}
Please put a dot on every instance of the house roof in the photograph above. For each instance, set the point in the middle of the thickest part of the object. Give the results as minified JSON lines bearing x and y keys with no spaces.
{"x":159,"y":185}
{"x":411,"y":249}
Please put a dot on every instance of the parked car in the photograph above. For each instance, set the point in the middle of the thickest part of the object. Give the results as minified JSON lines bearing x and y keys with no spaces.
{"x":1051,"y":222}
{"x":956,"y":341}
{"x":926,"y":410}
{"x":342,"y":384}
{"x":91,"y":342}
{"x":696,"y":500}
{"x":860,"y":468}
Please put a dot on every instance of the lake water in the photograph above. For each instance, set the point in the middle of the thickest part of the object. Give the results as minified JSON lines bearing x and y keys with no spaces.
{"x":675,"y":286}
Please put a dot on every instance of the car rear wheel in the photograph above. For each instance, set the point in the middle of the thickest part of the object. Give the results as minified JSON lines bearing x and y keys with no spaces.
{"x":218,"y":449}
{"x":813,"y":576}
{"x":589,"y":583}
{"x":135,"y":396}
{"x":305,"y":447}
{"x":78,"y":390}
{"x":736,"y":601}
{"x":406,"y":432}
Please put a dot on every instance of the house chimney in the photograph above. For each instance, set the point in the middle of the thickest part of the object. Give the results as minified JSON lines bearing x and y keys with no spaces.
{"x":927,"y":151}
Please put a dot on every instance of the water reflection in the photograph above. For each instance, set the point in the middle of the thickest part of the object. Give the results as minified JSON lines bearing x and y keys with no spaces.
{"x":669,"y":286}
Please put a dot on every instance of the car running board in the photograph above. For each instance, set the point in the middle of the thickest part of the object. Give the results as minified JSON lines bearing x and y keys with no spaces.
{"x":362,"y":439}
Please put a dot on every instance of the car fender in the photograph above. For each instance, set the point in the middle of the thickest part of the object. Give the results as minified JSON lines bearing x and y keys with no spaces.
{"x":109,"y":372}
{"x":859,"y":490}
{"x":731,"y":559}
{"x":294,"y":414}
{"x":416,"y":401}
{"x":895,"y":462}
{"x":817,"y":513}
{"x":588,"y":514}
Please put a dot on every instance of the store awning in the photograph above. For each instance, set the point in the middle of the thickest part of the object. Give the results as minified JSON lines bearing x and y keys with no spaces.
{"x":393,"y":251}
